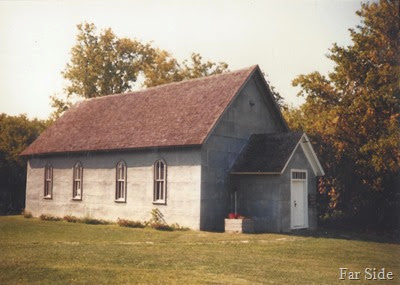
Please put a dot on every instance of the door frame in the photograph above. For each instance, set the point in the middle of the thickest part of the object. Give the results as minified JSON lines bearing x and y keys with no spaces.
{"x":305,"y":197}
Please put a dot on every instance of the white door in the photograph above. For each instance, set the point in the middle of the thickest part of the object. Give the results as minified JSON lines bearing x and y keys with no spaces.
{"x":299,"y":200}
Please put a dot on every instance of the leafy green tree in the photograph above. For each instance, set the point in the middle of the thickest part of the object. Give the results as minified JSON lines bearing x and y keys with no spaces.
{"x":277,"y":96}
{"x":353,"y":116}
{"x":163,"y":68}
{"x":60,"y":105}
{"x":195,"y":68}
{"x":103,"y":64}
{"x":16,"y":133}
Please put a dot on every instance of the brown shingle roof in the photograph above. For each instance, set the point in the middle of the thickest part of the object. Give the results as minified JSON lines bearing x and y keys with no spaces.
{"x":177,"y":114}
{"x":267,"y":153}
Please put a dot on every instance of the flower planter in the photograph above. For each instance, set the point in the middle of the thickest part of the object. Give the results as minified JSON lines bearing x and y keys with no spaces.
{"x":232,"y":215}
{"x":239,"y":226}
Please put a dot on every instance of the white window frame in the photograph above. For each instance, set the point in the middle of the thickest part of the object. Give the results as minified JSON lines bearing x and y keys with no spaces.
{"x":160,"y":182}
{"x":302,"y":171}
{"x":77,"y":180}
{"x":120,"y":182}
{"x":48,"y":182}
{"x":305,"y":196}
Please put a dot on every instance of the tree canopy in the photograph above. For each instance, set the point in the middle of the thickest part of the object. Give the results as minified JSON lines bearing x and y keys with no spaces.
{"x":16,"y":133}
{"x":162,"y":68}
{"x":353,"y":116}
{"x":103,"y":64}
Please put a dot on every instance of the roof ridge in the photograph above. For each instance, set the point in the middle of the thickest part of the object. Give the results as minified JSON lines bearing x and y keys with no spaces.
{"x":252,"y":67}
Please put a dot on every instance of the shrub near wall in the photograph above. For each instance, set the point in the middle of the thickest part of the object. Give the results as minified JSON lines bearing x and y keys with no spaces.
{"x":26,"y":214}
{"x":156,"y":222}
{"x":130,"y":224}
{"x":47,"y":217}
{"x":72,"y":219}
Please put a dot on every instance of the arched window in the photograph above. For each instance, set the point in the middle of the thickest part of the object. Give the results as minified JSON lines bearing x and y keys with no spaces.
{"x":48,"y":181}
{"x":77,"y":182}
{"x":120,"y":192}
{"x":160,"y":182}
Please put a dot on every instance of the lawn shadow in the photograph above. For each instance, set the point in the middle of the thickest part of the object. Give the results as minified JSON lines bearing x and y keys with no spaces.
{"x":346,"y":234}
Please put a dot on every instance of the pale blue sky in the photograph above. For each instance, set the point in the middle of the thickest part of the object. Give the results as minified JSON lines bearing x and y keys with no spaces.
{"x":286,"y":38}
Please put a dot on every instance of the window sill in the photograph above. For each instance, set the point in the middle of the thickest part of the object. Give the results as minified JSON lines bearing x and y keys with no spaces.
{"x":47,"y":198}
{"x":120,"y":201}
{"x":77,"y":199}
{"x":159,"y":202}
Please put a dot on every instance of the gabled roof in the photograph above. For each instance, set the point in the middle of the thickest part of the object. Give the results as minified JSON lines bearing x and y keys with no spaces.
{"x":176,"y":114}
{"x":271,"y":153}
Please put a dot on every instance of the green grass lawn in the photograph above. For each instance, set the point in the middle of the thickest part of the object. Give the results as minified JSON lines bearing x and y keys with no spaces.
{"x":42,"y":252}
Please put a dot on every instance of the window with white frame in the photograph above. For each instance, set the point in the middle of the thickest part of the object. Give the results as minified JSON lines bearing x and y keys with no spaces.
{"x":120,"y":192}
{"x":160,"y":182}
{"x":299,"y":175}
{"x":77,"y":182}
{"x":48,"y":181}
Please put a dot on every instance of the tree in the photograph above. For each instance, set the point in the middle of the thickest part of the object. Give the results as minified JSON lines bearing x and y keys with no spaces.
{"x":277,"y":96}
{"x":16,"y":133}
{"x":60,"y":105}
{"x":163,"y":68}
{"x":103,"y":64}
{"x":353,"y":115}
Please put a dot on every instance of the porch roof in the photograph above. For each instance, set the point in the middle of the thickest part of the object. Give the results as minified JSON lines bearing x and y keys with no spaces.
{"x":271,"y":153}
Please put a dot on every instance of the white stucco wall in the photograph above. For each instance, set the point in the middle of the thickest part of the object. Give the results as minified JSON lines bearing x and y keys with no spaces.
{"x":183,"y":186}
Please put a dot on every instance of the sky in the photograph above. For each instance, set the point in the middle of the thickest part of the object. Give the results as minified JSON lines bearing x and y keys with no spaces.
{"x":285,"y":38}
